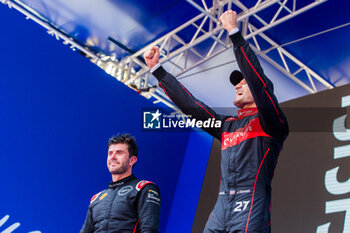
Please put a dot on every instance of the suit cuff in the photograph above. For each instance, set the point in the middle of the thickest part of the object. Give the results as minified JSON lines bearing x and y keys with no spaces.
{"x":159,"y":72}
{"x":233,"y":31}
{"x":237,"y":39}
{"x":155,"y":67}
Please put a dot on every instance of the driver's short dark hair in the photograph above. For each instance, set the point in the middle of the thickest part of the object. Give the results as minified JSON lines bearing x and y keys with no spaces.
{"x":125,"y":139}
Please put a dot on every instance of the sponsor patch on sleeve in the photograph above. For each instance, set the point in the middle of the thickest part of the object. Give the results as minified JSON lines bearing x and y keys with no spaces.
{"x":142,"y":184}
{"x":94,"y":197}
{"x":153,"y":197}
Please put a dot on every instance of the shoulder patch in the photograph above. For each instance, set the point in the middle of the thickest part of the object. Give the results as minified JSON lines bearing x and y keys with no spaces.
{"x":103,"y":196}
{"x":94,"y":197}
{"x":142,"y":184}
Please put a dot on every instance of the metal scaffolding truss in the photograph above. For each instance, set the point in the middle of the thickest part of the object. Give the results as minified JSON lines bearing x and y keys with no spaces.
{"x":108,"y":63}
{"x":287,"y":63}
{"x":197,"y":41}
{"x":180,"y":55}
{"x":51,"y":29}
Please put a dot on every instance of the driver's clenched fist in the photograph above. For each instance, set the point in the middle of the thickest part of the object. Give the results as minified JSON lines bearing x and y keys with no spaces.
{"x":229,"y":20}
{"x":151,"y":57}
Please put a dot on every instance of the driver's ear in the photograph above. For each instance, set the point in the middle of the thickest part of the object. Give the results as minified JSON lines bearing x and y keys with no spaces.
{"x":133,"y":160}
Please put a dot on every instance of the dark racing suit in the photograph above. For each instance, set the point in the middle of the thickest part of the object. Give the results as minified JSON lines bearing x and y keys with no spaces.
{"x":251,"y":143}
{"x":129,"y":205}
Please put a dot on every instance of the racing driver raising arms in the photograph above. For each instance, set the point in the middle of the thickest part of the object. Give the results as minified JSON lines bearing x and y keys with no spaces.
{"x":251,"y":141}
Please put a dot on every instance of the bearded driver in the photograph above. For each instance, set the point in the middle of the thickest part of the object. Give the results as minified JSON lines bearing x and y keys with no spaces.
{"x":251,"y":141}
{"x":129,"y":205}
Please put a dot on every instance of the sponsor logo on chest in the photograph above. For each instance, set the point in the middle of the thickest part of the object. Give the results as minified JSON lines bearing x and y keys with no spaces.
{"x":251,"y":130}
{"x":125,"y":190}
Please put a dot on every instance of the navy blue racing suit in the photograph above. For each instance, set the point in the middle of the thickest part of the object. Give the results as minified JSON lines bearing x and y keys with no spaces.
{"x":129,"y":205}
{"x":251,"y":143}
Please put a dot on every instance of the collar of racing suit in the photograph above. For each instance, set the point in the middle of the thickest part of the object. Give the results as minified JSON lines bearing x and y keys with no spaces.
{"x":247,"y":112}
{"x":120,"y":182}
